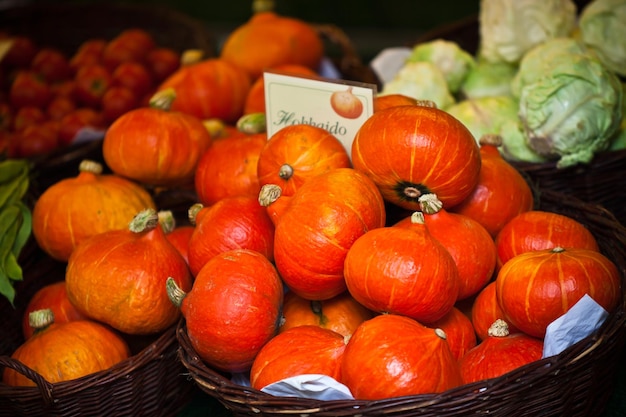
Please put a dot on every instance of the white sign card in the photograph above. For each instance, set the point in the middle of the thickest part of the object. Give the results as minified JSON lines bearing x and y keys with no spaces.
{"x":338,"y":106}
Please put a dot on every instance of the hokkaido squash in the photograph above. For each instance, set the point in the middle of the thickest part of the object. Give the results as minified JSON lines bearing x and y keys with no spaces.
{"x":409,"y":151}
{"x":73,"y":209}
{"x":118,"y":277}
{"x":485,"y":311}
{"x":459,"y":331}
{"x":72,"y":350}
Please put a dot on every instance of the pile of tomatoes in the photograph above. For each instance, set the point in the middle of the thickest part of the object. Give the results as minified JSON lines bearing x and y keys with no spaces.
{"x":47,"y":95}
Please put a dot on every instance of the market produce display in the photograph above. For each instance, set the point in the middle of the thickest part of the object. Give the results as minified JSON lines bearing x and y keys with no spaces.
{"x":414,"y":264}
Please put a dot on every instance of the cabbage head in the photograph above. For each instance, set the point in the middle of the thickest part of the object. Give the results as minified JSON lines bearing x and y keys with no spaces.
{"x":485,"y":115}
{"x":509,"y":28}
{"x":602,"y":28}
{"x":448,"y":56}
{"x":422,"y":81}
{"x":488,"y":79}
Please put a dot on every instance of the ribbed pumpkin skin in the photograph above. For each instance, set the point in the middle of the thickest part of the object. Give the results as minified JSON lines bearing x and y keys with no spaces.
{"x":308,"y":150}
{"x":155,"y":147}
{"x":301,"y":350}
{"x":212,"y":88}
{"x":420,"y":148}
{"x":67,"y":351}
{"x":537,"y":230}
{"x":501,"y":193}
{"x":535,"y":288}
{"x":460,"y":334}
{"x":315,"y":231}
{"x":391,"y":356}
{"x":233,"y":309}
{"x":74,"y":209}
{"x":231,"y":223}
{"x":402,"y":271}
{"x":118,"y":278}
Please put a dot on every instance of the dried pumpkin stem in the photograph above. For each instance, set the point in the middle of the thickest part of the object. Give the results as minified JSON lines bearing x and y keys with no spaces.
{"x":87,"y":165}
{"x":167,"y":220}
{"x":417,"y":217}
{"x":252,"y":123}
{"x":490,"y":139}
{"x":499,"y":328}
{"x":174,"y":292}
{"x":143,"y":221}
{"x":268,"y":194}
{"x":163,"y":99}
{"x":40,"y":319}
{"x":430,"y":204}
{"x":193,"y":211}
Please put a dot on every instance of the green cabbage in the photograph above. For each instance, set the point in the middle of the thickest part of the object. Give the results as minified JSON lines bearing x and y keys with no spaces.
{"x":488,"y":79}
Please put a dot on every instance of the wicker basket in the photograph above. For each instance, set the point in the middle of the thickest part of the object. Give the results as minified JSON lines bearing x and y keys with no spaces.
{"x":602,"y":181}
{"x":576,"y":383}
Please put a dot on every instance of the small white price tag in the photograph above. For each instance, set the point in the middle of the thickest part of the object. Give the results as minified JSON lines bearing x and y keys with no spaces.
{"x":340,"y":107}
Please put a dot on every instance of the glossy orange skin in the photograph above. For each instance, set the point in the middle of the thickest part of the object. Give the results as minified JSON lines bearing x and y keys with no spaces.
{"x":497,"y":355}
{"x":413,"y":150}
{"x":501,"y":193}
{"x":535,"y":288}
{"x":179,"y":238}
{"x":233,"y":309}
{"x":459,"y":330}
{"x":470,"y":245}
{"x":212,"y":88}
{"x":341,"y":314}
{"x":392,"y":100}
{"x":300,"y":350}
{"x":308,"y":150}
{"x":72,"y":350}
{"x":231,"y":223}
{"x":155,"y":147}
{"x":54,"y":297}
{"x":128,"y":293}
{"x":536,"y":230}
{"x":314,"y":233}
{"x":77,"y":208}
{"x":268,"y":39}
{"x":402,"y":271}
{"x":486,"y":310}
{"x":392,"y":356}
{"x":229,"y":168}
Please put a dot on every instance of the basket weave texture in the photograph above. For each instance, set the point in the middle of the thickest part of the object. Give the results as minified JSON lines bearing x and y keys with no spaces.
{"x":576,"y":383}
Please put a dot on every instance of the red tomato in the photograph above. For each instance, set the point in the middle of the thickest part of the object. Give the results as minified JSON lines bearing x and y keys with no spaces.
{"x":6,"y":116}
{"x":73,"y":122}
{"x":28,"y":116}
{"x":21,"y":52}
{"x":59,"y":106}
{"x":129,"y":45}
{"x":88,"y":53}
{"x":92,"y":81}
{"x":52,"y":64}
{"x":29,"y":89}
{"x":162,"y":62}
{"x":37,"y":140}
{"x":134,"y":76}
{"x":66,"y":88}
{"x":117,"y":101}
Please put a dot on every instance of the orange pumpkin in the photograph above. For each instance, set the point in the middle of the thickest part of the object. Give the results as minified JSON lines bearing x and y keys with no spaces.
{"x":54,"y":297}
{"x":409,"y":151}
{"x":392,"y":100}
{"x":501,"y":193}
{"x":469,"y":243}
{"x":226,"y":334}
{"x":341,"y":314}
{"x":228,"y":168}
{"x":296,"y":153}
{"x":180,"y":237}
{"x":118,"y":277}
{"x":537,"y":230}
{"x":315,"y":231}
{"x":156,"y":146}
{"x":392,"y":356}
{"x":459,"y":331}
{"x":72,"y":350}
{"x":300,"y":350}
{"x":402,"y":271}
{"x":535,"y":288}
{"x":268,"y":39}
{"x":486,"y":310}
{"x":499,"y":353}
{"x":211,"y":88}
{"x":73,"y":209}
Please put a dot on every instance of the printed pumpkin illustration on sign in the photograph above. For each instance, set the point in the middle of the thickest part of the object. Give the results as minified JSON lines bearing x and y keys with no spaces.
{"x":346,"y":104}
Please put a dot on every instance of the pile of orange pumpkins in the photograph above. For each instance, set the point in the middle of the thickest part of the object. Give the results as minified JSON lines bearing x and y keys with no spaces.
{"x":412,"y":263}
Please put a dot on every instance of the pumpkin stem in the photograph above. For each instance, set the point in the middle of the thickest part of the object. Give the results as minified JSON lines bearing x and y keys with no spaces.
{"x":167,"y":220}
{"x":193,"y":211}
{"x":268,"y":194}
{"x":174,"y":292}
{"x":87,"y":165}
{"x":285,"y":172}
{"x":499,"y":328}
{"x":191,"y":56}
{"x":259,"y":6}
{"x":252,"y":123}
{"x":215,"y":127}
{"x":163,"y":99}
{"x":558,"y":249}
{"x":417,"y":217}
{"x":40,"y":319}
{"x":490,"y":139}
{"x":441,"y":333}
{"x":143,"y":221}
{"x":429,"y":203}
{"x":426,"y":103}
